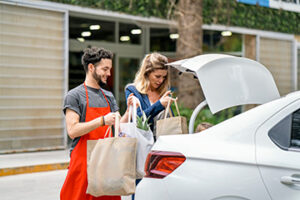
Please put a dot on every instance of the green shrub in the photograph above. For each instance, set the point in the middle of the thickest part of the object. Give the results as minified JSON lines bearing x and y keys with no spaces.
{"x":224,"y":12}
{"x":205,"y":114}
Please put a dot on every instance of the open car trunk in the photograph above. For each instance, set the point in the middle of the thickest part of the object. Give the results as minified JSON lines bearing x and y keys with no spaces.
{"x":229,"y":81}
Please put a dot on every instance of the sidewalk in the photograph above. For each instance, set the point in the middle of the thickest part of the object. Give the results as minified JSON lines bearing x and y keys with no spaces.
{"x":29,"y":186}
{"x":19,"y":163}
{"x":34,"y":186}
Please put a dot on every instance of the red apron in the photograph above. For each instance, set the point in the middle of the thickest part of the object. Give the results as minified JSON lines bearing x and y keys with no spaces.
{"x":75,"y":185}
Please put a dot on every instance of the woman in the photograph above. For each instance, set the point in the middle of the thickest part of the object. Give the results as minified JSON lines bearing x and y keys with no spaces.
{"x":151,"y":87}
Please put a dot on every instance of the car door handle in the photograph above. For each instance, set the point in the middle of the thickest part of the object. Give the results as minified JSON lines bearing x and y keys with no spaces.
{"x":289,"y":180}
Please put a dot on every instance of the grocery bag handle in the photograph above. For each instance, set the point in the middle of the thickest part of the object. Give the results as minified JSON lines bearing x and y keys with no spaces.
{"x":108,"y":130}
{"x":168,"y":110}
{"x":117,"y":127}
{"x":133,"y":110}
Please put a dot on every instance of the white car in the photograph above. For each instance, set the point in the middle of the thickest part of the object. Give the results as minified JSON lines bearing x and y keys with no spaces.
{"x":254,"y":155}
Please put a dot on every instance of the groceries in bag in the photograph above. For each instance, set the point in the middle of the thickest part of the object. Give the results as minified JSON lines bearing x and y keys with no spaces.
{"x":171,"y":125}
{"x":111,"y":165}
{"x":139,"y":129}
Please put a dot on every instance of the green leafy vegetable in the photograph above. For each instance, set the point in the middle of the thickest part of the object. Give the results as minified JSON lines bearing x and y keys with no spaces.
{"x":142,"y":122}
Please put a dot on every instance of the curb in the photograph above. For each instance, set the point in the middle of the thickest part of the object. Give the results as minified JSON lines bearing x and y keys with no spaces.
{"x":33,"y":168}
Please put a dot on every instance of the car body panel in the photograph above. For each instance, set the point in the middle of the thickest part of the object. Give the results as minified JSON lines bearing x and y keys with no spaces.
{"x":206,"y":179}
{"x":228,"y":81}
{"x":221,"y":162}
{"x":235,"y":159}
{"x":230,"y":135}
{"x":275,"y":163}
{"x":192,"y":65}
{"x":152,"y":189}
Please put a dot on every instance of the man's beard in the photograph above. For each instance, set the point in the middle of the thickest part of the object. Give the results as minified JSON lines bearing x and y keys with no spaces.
{"x":98,"y":79}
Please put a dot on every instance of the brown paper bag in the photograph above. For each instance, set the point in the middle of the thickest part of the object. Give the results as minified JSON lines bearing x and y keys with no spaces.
{"x":111,"y":165}
{"x":172,"y":125}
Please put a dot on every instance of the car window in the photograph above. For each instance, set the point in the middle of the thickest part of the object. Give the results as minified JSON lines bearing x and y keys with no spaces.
{"x":286,"y":133}
{"x":295,"y":137}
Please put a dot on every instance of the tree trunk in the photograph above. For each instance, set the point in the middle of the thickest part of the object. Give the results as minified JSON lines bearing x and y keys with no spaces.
{"x":250,"y":52}
{"x":189,"y":44}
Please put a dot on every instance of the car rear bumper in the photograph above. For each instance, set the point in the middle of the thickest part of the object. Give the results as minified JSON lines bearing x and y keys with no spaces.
{"x":151,"y":189}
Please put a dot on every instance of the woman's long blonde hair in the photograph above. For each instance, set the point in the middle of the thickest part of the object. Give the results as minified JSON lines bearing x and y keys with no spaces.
{"x":150,"y":63}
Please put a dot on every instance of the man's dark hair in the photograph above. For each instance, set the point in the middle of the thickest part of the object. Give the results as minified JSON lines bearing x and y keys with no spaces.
{"x":94,"y":55}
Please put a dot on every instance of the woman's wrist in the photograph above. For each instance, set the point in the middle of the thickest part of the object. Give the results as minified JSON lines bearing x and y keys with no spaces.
{"x":163,"y":105}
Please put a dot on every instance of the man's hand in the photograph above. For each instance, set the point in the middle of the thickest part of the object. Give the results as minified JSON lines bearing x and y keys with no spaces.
{"x":110,"y":118}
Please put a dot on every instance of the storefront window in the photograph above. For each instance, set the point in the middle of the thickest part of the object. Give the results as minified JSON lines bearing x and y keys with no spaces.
{"x":214,"y":41}
{"x":127,"y":69}
{"x":77,"y":73}
{"x":84,"y":29}
{"x":162,"y":40}
{"x":129,"y":34}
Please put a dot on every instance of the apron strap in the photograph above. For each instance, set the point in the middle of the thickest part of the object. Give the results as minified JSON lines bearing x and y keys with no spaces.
{"x":104,"y":96}
{"x":87,"y":96}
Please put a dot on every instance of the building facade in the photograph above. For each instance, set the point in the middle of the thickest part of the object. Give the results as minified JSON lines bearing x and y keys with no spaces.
{"x":41,"y":45}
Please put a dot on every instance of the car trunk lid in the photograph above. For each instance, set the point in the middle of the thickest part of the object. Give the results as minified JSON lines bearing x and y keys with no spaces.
{"x":228,"y":81}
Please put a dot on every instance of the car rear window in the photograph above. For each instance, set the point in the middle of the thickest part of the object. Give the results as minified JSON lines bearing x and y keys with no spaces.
{"x":295,"y":135}
{"x":286,"y":133}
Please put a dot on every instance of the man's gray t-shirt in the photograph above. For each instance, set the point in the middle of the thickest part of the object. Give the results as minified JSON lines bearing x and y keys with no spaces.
{"x":76,"y":101}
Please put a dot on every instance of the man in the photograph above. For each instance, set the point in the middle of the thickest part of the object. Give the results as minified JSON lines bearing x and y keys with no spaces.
{"x":89,"y":111}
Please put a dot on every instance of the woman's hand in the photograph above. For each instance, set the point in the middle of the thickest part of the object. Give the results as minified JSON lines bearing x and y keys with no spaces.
{"x":130,"y":101}
{"x":165,"y":98}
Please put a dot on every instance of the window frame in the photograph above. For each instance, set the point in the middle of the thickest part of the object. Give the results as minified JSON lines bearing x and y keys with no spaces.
{"x":278,"y":141}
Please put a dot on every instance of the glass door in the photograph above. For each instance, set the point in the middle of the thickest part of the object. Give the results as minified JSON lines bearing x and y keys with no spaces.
{"x":127,"y":70}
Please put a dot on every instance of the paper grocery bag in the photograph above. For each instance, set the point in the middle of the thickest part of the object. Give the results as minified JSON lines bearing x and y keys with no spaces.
{"x":144,"y":138}
{"x":172,"y":125}
{"x":111,"y":166}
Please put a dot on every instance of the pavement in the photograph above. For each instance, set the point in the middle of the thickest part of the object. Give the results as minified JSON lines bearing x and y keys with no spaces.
{"x":34,"y":175}
{"x":20,"y":163}
{"x":33,"y":186}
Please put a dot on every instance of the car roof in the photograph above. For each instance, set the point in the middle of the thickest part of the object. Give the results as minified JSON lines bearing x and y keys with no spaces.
{"x":228,"y":81}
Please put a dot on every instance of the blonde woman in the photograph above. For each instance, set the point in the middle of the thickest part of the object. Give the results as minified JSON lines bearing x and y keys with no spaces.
{"x":151,"y":86}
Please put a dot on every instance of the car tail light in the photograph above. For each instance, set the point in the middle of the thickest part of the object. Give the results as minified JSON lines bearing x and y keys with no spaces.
{"x":159,"y":164}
